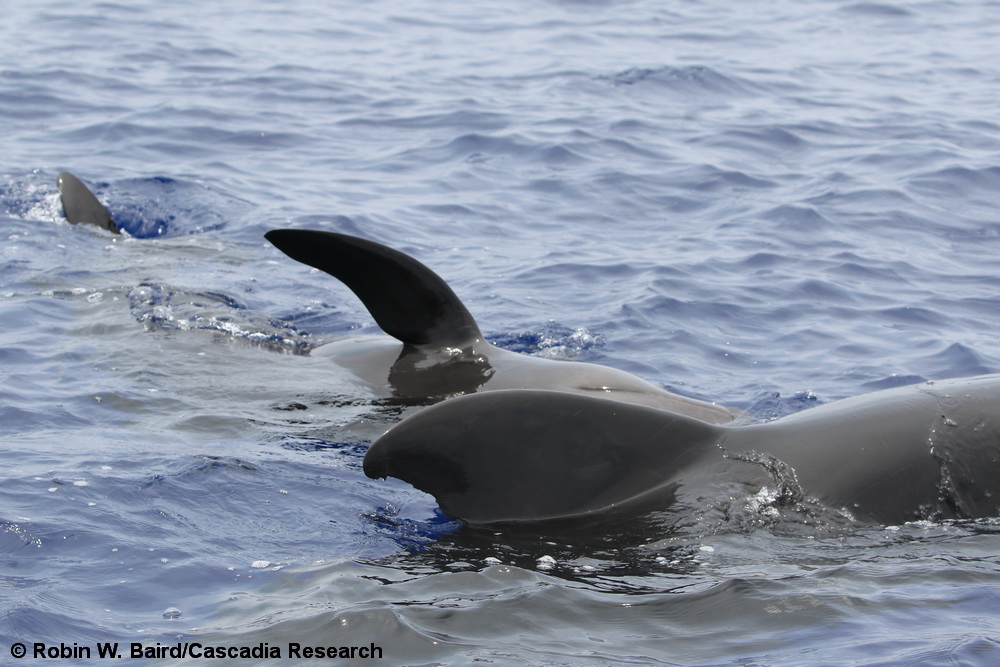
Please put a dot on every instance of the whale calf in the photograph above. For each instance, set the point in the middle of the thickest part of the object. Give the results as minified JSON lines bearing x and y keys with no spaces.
{"x":439,"y":351}
{"x":925,"y":451}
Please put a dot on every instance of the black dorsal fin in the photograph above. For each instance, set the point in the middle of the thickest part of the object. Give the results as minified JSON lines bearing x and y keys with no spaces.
{"x":408,"y":300}
{"x":81,"y":206}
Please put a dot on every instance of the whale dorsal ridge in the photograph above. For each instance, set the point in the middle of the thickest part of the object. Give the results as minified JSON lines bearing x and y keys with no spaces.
{"x":408,"y":301}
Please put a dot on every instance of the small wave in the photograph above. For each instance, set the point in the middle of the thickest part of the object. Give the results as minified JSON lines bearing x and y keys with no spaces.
{"x":469,"y":121}
{"x":693,"y":80}
{"x":695,"y":310}
{"x":476,"y":147}
{"x":960,"y":183}
{"x":792,"y":217}
{"x":728,"y":180}
{"x":764,"y":142}
{"x":920,"y":317}
{"x":876,"y":10}
{"x":957,"y":360}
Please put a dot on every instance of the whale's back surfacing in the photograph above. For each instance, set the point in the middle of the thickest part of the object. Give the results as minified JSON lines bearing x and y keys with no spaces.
{"x":925,"y":451}
{"x":534,"y":455}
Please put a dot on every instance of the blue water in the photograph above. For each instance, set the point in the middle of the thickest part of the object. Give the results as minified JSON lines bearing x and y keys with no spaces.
{"x":770,"y":205}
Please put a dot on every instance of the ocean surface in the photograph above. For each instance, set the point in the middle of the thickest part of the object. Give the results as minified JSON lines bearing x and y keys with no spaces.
{"x":768,"y":205}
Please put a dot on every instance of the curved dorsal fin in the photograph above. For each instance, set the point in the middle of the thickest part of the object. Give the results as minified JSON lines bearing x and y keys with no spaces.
{"x":408,"y":300}
{"x":80,"y":204}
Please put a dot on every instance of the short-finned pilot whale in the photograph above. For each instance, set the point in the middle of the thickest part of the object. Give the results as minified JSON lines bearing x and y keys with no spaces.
{"x":439,"y":350}
{"x":930,"y":450}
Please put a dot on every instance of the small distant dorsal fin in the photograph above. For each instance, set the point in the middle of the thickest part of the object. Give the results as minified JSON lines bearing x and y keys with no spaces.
{"x":408,"y":300}
{"x":81,"y":206}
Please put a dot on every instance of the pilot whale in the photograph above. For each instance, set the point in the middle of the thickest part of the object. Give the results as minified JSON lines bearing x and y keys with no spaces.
{"x":436,"y":349}
{"x":925,"y":451}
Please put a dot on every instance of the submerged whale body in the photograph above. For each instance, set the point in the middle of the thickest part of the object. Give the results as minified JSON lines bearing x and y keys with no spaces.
{"x":438,"y":349}
{"x":924,"y":451}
